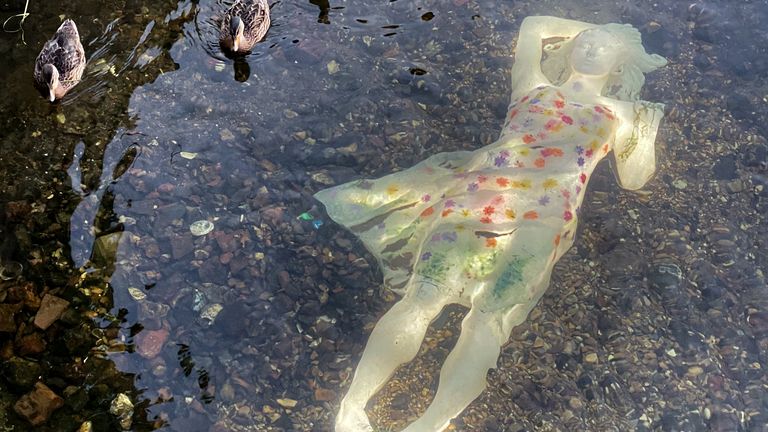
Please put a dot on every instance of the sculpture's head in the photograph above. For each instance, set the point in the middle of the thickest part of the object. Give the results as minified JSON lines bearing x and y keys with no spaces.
{"x":597,"y":52}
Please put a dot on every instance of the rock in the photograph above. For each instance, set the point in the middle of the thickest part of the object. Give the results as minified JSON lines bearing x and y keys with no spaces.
{"x":324,"y":395}
{"x":725,"y":168}
{"x":38,"y":405}
{"x":21,"y":372}
{"x":149,"y":343}
{"x":51,"y":308}
{"x":31,"y":344}
{"x":287,"y":403}
{"x":122,"y":408}
{"x":7,"y":322}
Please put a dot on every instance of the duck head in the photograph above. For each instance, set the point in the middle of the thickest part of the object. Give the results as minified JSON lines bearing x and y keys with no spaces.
{"x":236,"y":28}
{"x":51,"y":75}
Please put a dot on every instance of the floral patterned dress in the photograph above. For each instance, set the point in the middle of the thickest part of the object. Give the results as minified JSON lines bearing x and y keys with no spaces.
{"x":486,"y":226}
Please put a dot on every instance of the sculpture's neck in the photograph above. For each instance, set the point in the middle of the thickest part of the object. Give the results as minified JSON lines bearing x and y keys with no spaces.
{"x":585,"y":84}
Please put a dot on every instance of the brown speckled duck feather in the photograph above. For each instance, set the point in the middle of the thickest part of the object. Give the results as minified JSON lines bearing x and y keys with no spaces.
{"x":64,"y":52}
{"x":254,"y":15}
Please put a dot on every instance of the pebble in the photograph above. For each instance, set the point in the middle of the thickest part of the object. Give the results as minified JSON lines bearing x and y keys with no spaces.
{"x":122,"y":408}
{"x":590,"y":358}
{"x":7,"y":313}
{"x":50,"y":310}
{"x":38,"y":405}
{"x":287,"y":403}
{"x":149,"y":343}
{"x":201,"y":228}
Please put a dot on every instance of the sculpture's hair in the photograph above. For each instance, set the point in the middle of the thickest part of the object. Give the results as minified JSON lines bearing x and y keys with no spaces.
{"x":626,"y":82}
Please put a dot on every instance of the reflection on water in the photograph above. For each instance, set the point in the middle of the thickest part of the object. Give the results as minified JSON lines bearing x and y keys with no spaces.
{"x":656,"y":320}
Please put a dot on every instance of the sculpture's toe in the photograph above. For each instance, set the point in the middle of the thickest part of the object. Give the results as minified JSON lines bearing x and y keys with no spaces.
{"x":352,"y":421}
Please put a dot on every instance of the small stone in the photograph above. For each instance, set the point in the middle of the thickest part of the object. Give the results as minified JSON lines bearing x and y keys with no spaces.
{"x":31,"y":344}
{"x":181,"y":245}
{"x":21,"y":372}
{"x":51,"y":308}
{"x":323,"y":178}
{"x":137,"y":293}
{"x":287,"y":403}
{"x":590,"y":358}
{"x":694,"y":371}
{"x":735,"y":186}
{"x":188,"y":155}
{"x":7,"y":323}
{"x":87,"y":426}
{"x":201,"y":227}
{"x":38,"y":405}
{"x":333,"y":67}
{"x":211,"y":311}
{"x":226,"y":135}
{"x":324,"y":395}
{"x":680,"y":184}
{"x":61,"y":118}
{"x":149,"y":343}
{"x":122,"y":408}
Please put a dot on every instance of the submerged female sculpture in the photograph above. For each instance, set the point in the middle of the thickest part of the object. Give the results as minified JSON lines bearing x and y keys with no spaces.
{"x":484,"y":228}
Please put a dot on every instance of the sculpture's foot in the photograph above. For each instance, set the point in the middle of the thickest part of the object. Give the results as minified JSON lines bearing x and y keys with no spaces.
{"x":352,"y":420}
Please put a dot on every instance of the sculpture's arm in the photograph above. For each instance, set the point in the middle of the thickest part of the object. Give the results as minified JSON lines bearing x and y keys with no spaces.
{"x":526,"y":72}
{"x":634,"y":148}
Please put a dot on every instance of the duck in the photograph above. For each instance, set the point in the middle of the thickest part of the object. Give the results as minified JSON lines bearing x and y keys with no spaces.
{"x":61,"y":62}
{"x":244,"y":23}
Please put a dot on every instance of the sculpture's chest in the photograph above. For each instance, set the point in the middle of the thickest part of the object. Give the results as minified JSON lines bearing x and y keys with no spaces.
{"x":546,"y":115}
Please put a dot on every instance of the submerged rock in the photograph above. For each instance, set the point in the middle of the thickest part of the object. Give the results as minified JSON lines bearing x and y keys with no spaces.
{"x":38,"y":405}
{"x":50,"y":310}
{"x":122,"y":408}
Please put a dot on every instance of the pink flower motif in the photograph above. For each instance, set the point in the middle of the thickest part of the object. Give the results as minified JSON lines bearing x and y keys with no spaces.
{"x":567,"y":215}
{"x":567,"y":120}
{"x":583,"y":178}
{"x":450,"y":203}
{"x":426,"y":198}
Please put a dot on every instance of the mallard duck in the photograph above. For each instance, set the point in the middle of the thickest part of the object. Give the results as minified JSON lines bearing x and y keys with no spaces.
{"x":60,"y":64}
{"x":244,"y":24}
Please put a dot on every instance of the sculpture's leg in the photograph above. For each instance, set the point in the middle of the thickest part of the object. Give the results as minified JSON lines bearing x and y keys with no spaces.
{"x":395,"y":340}
{"x":462,"y":377}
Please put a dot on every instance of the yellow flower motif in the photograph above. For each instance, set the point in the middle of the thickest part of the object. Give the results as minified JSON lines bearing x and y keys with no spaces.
{"x":594,"y":145}
{"x":521,"y":184}
{"x":460,"y":227}
{"x":601,"y":132}
{"x":392,"y":189}
{"x":466,"y":213}
{"x":584,"y":129}
{"x":510,"y":214}
{"x":524,"y":152}
{"x":548,"y":112}
{"x":549,"y":183}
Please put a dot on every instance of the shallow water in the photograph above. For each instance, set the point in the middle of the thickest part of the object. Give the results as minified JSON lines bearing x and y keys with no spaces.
{"x":656,"y":320}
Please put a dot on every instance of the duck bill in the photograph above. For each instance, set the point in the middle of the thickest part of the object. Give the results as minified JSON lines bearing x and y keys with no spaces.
{"x":235,"y":44}
{"x":51,"y":94}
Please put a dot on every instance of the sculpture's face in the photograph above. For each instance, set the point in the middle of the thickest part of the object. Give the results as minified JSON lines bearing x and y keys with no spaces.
{"x":596,"y":52}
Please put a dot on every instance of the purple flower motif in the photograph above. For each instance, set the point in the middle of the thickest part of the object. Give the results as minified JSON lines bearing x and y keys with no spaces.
{"x":578,"y":189}
{"x":580,"y":161}
{"x":435,"y":238}
{"x":544,"y":200}
{"x":426,"y":255}
{"x":472,"y":187}
{"x":381,"y":226}
{"x":535,"y":100}
{"x":579,"y":149}
{"x":450,"y":236}
{"x":426,"y":198}
{"x":450,"y":203}
{"x":500,"y":161}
